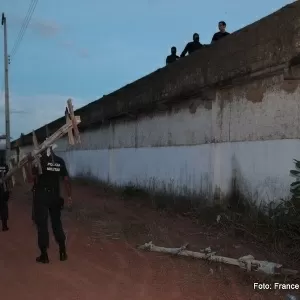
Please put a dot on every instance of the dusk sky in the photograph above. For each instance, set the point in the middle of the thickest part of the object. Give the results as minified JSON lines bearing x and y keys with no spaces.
{"x":84,"y":49}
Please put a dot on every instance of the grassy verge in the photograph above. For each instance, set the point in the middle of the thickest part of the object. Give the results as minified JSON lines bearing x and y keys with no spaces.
{"x":270,"y":226}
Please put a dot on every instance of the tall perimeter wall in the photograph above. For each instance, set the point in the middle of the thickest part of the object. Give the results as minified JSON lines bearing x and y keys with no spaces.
{"x":227,"y":113}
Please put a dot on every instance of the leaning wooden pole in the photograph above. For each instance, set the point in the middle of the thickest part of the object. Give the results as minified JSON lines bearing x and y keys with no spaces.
{"x":35,"y":153}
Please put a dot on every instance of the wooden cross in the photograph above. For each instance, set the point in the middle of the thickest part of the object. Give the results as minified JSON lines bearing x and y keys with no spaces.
{"x":38,"y":149}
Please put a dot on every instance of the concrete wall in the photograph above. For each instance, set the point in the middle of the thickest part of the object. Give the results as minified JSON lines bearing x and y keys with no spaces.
{"x":223,"y":113}
{"x":249,"y":132}
{"x":248,"y":53}
{"x":2,"y":144}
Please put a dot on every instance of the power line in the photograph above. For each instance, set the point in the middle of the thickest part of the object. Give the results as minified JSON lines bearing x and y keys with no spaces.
{"x":22,"y":30}
{"x":24,"y":26}
{"x":12,"y":111}
{"x":16,"y":111}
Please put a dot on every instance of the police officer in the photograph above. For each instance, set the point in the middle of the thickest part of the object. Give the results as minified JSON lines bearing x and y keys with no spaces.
{"x":47,"y":202}
{"x":4,"y":195}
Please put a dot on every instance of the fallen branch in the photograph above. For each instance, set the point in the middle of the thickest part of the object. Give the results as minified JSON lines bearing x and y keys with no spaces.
{"x":246,"y":262}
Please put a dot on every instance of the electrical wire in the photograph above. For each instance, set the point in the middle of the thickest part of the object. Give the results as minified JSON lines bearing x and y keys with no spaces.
{"x":12,"y":111}
{"x":24,"y":26}
{"x":22,"y":30}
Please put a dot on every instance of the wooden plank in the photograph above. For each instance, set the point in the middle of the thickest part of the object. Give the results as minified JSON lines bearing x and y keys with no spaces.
{"x":36,"y":147}
{"x":24,"y":174}
{"x":12,"y":177}
{"x":44,"y":146}
{"x":21,"y":156}
{"x":70,"y":131}
{"x":73,"y":120}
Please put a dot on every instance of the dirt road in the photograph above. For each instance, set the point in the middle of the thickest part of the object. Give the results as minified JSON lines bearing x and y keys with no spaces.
{"x":103,"y":262}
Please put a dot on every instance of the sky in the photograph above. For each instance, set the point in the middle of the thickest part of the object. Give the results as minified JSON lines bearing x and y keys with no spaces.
{"x":86,"y":49}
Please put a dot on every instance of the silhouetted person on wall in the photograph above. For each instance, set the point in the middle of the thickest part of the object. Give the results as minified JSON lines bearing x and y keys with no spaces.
{"x":222,"y":32}
{"x":192,"y":46}
{"x":173,"y":57}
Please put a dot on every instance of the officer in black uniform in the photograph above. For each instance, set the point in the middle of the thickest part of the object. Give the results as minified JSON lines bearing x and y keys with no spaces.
{"x":47,"y":201}
{"x":4,"y":195}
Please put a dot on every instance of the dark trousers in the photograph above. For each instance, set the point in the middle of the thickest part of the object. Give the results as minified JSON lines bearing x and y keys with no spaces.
{"x":4,"y":206}
{"x":48,"y":203}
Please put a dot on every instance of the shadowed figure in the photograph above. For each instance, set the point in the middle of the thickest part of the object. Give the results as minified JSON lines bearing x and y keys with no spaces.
{"x":221,"y":33}
{"x":192,"y":46}
{"x":173,"y":57}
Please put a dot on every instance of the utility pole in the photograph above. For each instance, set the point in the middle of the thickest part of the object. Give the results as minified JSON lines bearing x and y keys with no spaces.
{"x":7,"y":112}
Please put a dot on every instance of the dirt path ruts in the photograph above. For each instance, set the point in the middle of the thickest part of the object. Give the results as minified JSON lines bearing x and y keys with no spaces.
{"x":103,"y":268}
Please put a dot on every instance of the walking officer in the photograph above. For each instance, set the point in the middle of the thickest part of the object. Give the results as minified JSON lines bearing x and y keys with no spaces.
{"x":48,"y":202}
{"x":4,"y":195}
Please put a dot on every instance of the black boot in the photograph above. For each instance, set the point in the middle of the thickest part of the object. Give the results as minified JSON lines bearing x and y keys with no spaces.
{"x":63,"y":253}
{"x":43,"y":258}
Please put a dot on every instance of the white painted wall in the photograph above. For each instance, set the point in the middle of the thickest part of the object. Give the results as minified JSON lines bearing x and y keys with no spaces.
{"x":262,"y":167}
{"x":198,"y":152}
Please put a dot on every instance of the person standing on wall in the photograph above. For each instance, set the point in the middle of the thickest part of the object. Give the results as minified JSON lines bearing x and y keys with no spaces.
{"x":4,"y":195}
{"x":192,"y":46}
{"x":173,"y":57}
{"x":222,"y":32}
{"x":47,"y":201}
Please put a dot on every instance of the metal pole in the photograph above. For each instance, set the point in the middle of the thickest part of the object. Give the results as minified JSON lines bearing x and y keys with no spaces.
{"x":7,"y":112}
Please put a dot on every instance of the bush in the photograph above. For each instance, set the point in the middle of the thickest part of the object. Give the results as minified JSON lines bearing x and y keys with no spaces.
{"x":286,"y":215}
